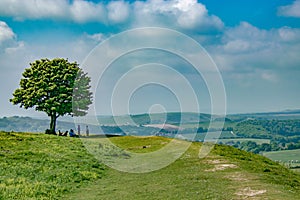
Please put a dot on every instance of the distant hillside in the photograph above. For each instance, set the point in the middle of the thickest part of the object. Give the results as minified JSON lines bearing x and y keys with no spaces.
{"x":27,"y":124}
{"x":281,"y":115}
{"x":158,"y":118}
{"x":131,"y":122}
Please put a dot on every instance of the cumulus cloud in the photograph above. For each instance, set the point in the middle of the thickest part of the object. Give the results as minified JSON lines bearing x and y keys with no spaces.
{"x":8,"y":39}
{"x":79,"y":11}
{"x":186,"y":14}
{"x":6,"y":33}
{"x":118,"y":11}
{"x":244,"y":38}
{"x":34,"y":9}
{"x":85,"y":11}
{"x":288,"y":34}
{"x":247,"y":50}
{"x":292,"y":10}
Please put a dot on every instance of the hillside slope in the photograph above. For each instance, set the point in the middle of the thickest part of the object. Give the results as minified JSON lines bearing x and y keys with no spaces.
{"x":227,"y":173}
{"x":39,"y":166}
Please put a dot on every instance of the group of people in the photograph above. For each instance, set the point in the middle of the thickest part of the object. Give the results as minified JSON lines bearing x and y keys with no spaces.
{"x":72,"y":132}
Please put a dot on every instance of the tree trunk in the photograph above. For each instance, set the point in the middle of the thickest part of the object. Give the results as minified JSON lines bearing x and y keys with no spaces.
{"x":53,"y":123}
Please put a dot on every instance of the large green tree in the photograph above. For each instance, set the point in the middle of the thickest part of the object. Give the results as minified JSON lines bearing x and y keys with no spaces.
{"x":56,"y":87}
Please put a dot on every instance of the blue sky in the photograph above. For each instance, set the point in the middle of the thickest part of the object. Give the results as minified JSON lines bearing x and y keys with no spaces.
{"x":255,"y":44}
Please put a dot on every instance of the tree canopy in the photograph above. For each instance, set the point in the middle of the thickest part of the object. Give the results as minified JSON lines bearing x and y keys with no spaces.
{"x":56,"y":87}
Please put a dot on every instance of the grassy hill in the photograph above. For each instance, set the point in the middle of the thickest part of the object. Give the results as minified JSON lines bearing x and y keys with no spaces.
{"x":38,"y":166}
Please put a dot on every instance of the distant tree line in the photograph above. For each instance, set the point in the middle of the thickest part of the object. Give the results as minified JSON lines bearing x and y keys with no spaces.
{"x":270,"y":127}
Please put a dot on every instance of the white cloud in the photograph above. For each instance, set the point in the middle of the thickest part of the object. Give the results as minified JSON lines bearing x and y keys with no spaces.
{"x":292,"y":10}
{"x":8,"y":39}
{"x":79,"y":10}
{"x":185,"y":5}
{"x":118,"y":11}
{"x":98,"y":37}
{"x":34,"y":9}
{"x":85,"y":11}
{"x":244,"y":38}
{"x":247,"y":52}
{"x":6,"y":34}
{"x":288,"y":34}
{"x":17,"y":47}
{"x":245,"y":31}
{"x":188,"y":14}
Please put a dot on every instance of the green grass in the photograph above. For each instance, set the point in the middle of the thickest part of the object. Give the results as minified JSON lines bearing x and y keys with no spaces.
{"x":38,"y":166}
{"x":137,"y":144}
{"x":192,"y":178}
{"x":296,"y":170}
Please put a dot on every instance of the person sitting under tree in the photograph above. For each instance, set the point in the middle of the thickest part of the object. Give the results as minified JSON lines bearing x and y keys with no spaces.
{"x":72,"y":133}
{"x":62,"y":134}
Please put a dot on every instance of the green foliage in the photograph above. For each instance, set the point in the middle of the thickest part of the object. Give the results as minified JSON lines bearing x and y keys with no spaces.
{"x":51,"y":86}
{"x":284,"y":134}
{"x":35,"y":166}
{"x":82,"y":97}
{"x":251,"y":128}
{"x":269,"y":127}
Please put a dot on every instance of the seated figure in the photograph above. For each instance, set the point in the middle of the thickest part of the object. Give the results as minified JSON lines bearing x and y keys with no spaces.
{"x":72,"y":133}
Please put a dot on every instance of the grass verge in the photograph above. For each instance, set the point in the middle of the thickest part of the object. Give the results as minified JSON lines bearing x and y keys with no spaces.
{"x":38,"y":166}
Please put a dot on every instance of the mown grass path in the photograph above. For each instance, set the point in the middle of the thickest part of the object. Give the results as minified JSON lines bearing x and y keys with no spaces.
{"x":227,"y":173}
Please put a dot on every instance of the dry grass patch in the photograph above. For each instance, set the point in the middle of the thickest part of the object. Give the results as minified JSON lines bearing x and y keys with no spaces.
{"x":221,"y":167}
{"x":248,"y":192}
{"x":219,"y":164}
{"x":237,"y":176}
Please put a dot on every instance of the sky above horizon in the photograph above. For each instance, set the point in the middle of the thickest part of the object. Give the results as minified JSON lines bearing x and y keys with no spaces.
{"x":255,"y":45}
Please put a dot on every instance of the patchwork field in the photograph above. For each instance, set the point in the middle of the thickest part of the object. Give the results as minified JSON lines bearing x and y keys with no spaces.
{"x":284,"y":156}
{"x":289,"y":158}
